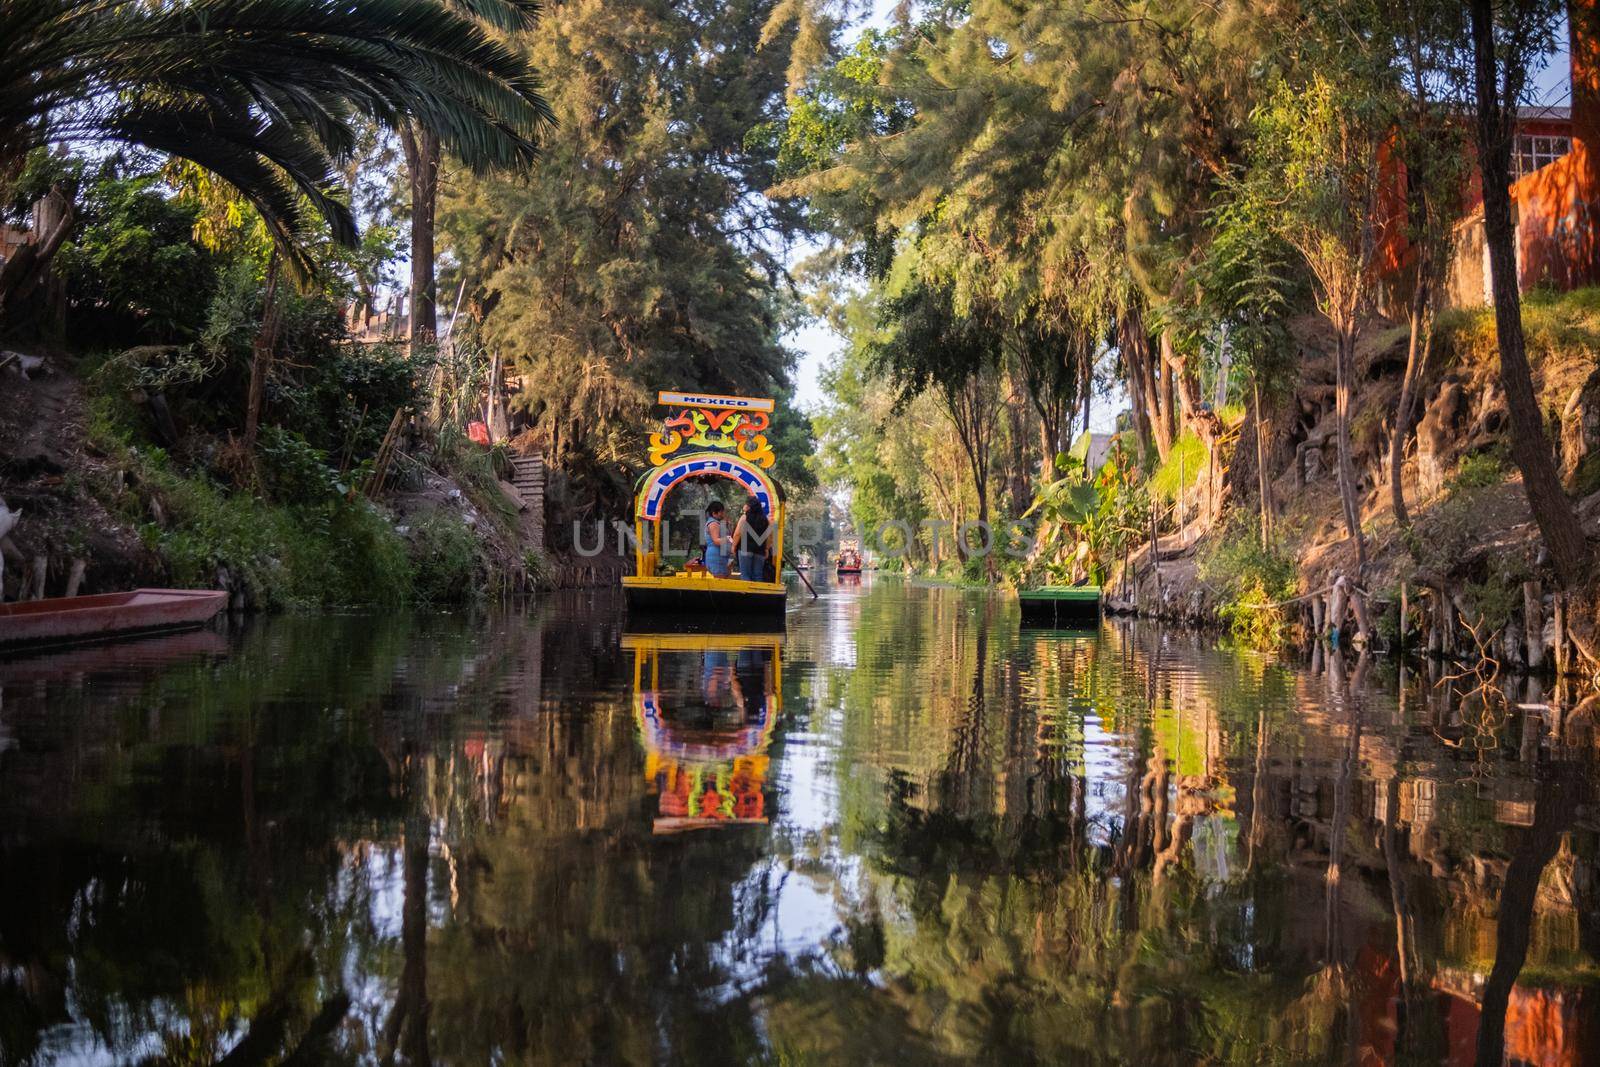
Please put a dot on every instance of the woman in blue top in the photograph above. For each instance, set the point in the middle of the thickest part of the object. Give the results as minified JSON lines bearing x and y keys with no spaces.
{"x":718,"y":543}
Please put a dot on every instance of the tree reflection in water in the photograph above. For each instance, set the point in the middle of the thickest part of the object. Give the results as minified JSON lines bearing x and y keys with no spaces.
{"x":907,"y":831}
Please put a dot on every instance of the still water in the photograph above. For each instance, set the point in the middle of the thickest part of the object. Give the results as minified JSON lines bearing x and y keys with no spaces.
{"x":906,"y":831}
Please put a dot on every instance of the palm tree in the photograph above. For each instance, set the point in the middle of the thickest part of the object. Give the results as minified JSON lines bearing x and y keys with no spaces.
{"x":423,"y":155}
{"x":263,"y":93}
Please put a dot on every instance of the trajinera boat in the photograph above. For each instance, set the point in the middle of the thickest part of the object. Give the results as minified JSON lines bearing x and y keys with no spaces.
{"x":106,"y":616}
{"x":1068,"y":607}
{"x":716,"y":436}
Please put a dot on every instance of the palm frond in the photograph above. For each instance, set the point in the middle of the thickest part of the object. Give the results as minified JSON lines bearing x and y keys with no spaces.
{"x":264,"y":92}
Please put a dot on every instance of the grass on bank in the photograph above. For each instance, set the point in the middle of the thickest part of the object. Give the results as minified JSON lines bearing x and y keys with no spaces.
{"x":1563,"y":341}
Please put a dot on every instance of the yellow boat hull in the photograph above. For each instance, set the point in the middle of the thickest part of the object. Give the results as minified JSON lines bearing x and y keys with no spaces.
{"x":697,"y":595}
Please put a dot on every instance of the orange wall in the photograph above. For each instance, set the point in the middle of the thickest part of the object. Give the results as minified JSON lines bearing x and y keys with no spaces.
{"x":1558,"y":221}
{"x":1558,"y":231}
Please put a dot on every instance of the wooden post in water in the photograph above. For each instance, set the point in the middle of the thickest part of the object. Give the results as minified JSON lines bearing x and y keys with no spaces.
{"x":1436,"y":631}
{"x":1155,"y":555}
{"x":1533,"y":623}
{"x":1405,"y":613}
{"x":1560,"y":608}
{"x":1336,"y":607}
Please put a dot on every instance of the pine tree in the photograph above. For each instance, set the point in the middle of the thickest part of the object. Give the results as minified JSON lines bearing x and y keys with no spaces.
{"x":639,"y":254}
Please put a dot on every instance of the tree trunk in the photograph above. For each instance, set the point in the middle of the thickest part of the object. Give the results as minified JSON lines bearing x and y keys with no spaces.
{"x":1145,"y":392}
{"x":1048,"y":448}
{"x":1408,"y":385}
{"x":1344,"y":370}
{"x":1017,"y":482}
{"x":422,"y":153}
{"x":495,"y":409}
{"x":1169,"y":392}
{"x":1141,"y":418}
{"x":261,"y":352}
{"x":1086,"y":387}
{"x":75,"y":576}
{"x":1496,"y":128}
{"x":1264,"y":482}
{"x":24,"y":270}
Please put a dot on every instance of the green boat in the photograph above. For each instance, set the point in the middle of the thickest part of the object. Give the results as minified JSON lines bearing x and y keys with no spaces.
{"x":1061,"y":606}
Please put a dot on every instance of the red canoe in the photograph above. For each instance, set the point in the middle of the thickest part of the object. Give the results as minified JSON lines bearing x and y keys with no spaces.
{"x":68,"y":620}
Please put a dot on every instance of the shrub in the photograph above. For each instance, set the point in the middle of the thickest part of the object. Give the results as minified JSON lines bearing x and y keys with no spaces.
{"x":1479,"y":470}
{"x":1251,"y":581}
{"x":293,"y":471}
{"x":131,"y":233}
{"x":445,"y":557}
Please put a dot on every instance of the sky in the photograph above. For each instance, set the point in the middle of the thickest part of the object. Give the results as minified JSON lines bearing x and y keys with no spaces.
{"x":818,"y":346}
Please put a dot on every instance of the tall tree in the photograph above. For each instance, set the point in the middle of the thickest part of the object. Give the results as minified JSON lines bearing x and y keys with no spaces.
{"x":423,"y":152}
{"x":638,"y":255}
{"x":1061,"y":156}
{"x":1317,"y":175}
{"x":933,"y":348}
{"x":1421,"y":36}
{"x":1506,"y":38}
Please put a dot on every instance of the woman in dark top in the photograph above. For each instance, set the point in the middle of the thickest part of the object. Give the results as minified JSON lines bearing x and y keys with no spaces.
{"x":750,"y":538}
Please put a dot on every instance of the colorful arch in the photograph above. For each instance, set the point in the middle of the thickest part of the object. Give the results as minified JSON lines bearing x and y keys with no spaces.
{"x":653,"y":491}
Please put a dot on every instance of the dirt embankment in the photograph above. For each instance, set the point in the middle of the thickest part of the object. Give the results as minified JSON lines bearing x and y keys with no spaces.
{"x":46,"y":470}
{"x":1470,"y":568}
{"x":87,"y":522}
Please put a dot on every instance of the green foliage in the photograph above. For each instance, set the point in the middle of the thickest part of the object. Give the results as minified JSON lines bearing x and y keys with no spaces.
{"x":1251,"y":582}
{"x":331,"y":553}
{"x":931,"y":346}
{"x":1182,"y":468}
{"x":1495,"y":599}
{"x":1479,"y":470}
{"x":1085,"y":520}
{"x":132,"y":269}
{"x":345,"y":399}
{"x":639,"y":255}
{"x":294,"y":471}
{"x":1242,"y":291}
{"x":265,"y":93}
{"x":1562,"y":332}
{"x":309,"y":545}
{"x":446,"y":557}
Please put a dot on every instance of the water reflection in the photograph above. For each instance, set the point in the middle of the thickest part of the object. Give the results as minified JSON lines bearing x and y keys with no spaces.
{"x":457,"y":840}
{"x":707,"y":706}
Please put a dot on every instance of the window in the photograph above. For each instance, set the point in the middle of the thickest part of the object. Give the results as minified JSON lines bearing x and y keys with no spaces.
{"x":1538,"y":150}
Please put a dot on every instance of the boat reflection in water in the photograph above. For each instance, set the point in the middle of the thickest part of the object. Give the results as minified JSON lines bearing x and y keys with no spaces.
{"x":706,"y":705}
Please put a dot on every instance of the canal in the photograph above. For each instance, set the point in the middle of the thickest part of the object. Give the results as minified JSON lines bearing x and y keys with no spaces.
{"x":908,"y":830}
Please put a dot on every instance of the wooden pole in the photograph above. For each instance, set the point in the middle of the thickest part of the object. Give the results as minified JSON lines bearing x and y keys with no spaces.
{"x":1533,"y":623}
{"x":1155,"y":556}
{"x":1405,"y":615}
{"x":1358,"y":603}
{"x":75,"y":576}
{"x":1336,"y":609}
{"x":1436,"y":631}
{"x":1560,"y":650}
